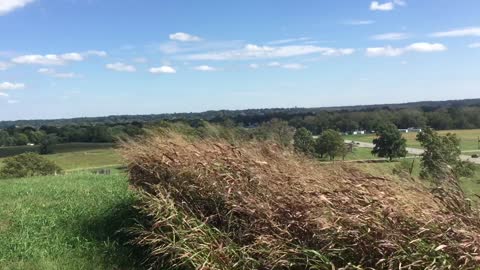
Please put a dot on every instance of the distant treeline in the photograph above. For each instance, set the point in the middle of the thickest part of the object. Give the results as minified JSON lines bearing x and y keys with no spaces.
{"x":100,"y":133}
{"x":438,"y":115}
{"x":247,"y":117}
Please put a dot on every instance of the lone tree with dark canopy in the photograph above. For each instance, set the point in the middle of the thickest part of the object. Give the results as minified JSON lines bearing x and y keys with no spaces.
{"x":303,"y":141}
{"x":389,"y":143}
{"x":442,"y":156}
{"x":330,"y":143}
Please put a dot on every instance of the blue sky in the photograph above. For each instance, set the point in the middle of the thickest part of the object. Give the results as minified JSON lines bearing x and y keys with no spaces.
{"x":72,"y":58}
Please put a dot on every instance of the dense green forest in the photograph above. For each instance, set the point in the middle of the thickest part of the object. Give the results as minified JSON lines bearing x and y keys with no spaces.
{"x":443,"y":115}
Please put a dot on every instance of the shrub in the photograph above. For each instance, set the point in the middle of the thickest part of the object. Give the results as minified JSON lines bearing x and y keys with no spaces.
{"x":27,"y":165}
{"x":208,"y":204}
{"x":475,"y":156}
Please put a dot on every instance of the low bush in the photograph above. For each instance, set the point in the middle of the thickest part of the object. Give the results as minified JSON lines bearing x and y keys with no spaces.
{"x":211,"y":205}
{"x":27,"y":165}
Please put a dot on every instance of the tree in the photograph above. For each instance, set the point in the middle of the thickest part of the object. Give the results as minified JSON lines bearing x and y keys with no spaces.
{"x":330,"y":143}
{"x":389,"y":143}
{"x":441,"y":156}
{"x":47,"y":144}
{"x":20,"y":139}
{"x":27,"y":165}
{"x":276,"y":130}
{"x":303,"y":141}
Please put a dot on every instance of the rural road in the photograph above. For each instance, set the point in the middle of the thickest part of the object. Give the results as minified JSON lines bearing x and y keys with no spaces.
{"x":413,"y":151}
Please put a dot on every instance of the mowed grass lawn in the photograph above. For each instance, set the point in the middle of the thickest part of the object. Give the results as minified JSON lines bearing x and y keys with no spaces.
{"x":469,"y":138}
{"x":66,"y":222}
{"x":84,"y":159}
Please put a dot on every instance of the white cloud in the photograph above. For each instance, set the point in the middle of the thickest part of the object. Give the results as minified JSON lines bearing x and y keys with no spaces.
{"x":95,"y":53}
{"x":359,"y":22}
{"x":274,"y":64}
{"x":11,"y":86}
{"x":3,"y":94}
{"x":426,"y":47}
{"x":463,"y":32}
{"x":293,"y":66}
{"x":121,"y":67}
{"x":7,"y":6}
{"x":422,"y":47}
{"x":474,"y":45}
{"x":205,"y":68}
{"x":252,"y":51}
{"x":54,"y":73}
{"x":12,"y":101}
{"x":400,"y":2}
{"x":184,"y":37}
{"x":290,"y":40}
{"x":55,"y":59}
{"x":382,"y":7}
{"x":254,"y":66}
{"x":162,"y":69}
{"x":391,"y":36}
{"x":384,"y":51}
{"x":4,"y":66}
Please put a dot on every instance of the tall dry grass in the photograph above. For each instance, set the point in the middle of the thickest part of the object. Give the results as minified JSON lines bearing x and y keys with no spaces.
{"x":211,"y":205}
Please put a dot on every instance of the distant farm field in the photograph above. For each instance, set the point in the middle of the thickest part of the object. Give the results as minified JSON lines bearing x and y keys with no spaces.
{"x":59,"y":148}
{"x":84,"y":156}
{"x":469,"y":138}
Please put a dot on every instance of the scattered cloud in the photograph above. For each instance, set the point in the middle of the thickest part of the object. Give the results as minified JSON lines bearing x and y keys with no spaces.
{"x":184,"y":37}
{"x":462,"y":32}
{"x":286,"y":66}
{"x":290,"y":40}
{"x":7,"y":6}
{"x":55,"y":59}
{"x":422,"y":47}
{"x":12,"y":101}
{"x":55,"y":74}
{"x":121,"y":67}
{"x":162,"y":69}
{"x":11,"y":86}
{"x":387,"y":6}
{"x":359,"y":22}
{"x":95,"y":53}
{"x":382,"y":7}
{"x":254,"y":66}
{"x":252,"y":51}
{"x":293,"y":66}
{"x":391,"y":36}
{"x":3,"y":94}
{"x":474,"y":45}
{"x":205,"y":68}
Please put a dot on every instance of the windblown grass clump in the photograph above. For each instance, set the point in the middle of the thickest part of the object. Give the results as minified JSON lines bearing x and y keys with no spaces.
{"x":211,"y":205}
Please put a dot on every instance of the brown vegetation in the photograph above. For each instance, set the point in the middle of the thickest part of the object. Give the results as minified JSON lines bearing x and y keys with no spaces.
{"x":211,"y":205}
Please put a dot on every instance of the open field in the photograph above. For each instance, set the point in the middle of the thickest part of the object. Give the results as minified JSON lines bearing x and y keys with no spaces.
{"x":65,"y":222}
{"x":83,"y":158}
{"x":469,"y":138}
{"x":86,"y":159}
{"x":59,"y":148}
{"x":470,"y":185}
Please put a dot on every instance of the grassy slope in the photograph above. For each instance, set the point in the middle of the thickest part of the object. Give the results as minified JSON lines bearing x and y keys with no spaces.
{"x":468,"y":138}
{"x":65,"y":222}
{"x":85,"y":159}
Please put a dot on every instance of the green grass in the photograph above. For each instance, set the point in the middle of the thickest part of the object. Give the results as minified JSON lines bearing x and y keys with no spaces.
{"x":469,"y":138}
{"x":66,"y":222}
{"x":79,"y":160}
{"x":86,"y":159}
{"x":59,"y":148}
{"x":470,"y":185}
